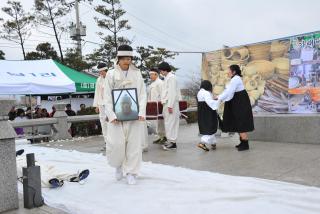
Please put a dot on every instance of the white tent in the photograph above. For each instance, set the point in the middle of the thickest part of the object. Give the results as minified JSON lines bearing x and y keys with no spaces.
{"x":40,"y":77}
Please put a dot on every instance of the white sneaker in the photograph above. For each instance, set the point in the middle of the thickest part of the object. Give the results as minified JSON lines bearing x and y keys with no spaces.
{"x":119,"y":173}
{"x":131,"y":179}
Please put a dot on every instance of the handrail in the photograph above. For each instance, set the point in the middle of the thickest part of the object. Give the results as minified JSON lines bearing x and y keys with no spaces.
{"x":34,"y":122}
{"x":82,"y":118}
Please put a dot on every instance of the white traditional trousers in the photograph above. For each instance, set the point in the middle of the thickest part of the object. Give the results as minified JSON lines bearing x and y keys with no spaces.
{"x":103,"y":122}
{"x":171,"y":122}
{"x":145,"y":141}
{"x":159,"y":126}
{"x":208,"y":139}
{"x":124,"y":145}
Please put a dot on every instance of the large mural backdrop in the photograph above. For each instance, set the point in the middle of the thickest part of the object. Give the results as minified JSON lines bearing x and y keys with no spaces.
{"x":282,"y":76}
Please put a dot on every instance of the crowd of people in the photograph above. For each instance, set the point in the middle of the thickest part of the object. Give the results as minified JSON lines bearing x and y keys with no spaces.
{"x":19,"y":114}
{"x":126,"y":139}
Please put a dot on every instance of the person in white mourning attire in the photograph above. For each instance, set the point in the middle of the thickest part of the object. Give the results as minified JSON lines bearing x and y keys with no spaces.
{"x":154,"y":95}
{"x":125,"y":138}
{"x":98,"y":100}
{"x":170,"y":100}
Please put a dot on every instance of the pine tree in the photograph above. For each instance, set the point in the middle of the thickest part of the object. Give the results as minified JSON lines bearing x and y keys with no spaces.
{"x":73,"y":60}
{"x":150,"y":57}
{"x":17,"y":29}
{"x":43,"y":51}
{"x":113,"y":23}
{"x":2,"y":54}
{"x":48,"y":13}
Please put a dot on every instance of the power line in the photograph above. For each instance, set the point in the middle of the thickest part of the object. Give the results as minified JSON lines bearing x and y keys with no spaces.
{"x":159,"y":30}
{"x":173,"y":51}
{"x":42,"y":41}
{"x":4,"y":46}
{"x":144,"y":34}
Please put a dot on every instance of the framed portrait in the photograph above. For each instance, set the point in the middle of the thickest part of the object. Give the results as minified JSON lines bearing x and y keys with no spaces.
{"x":125,"y":104}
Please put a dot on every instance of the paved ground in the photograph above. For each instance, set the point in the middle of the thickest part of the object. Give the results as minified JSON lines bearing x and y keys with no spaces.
{"x":42,"y":210}
{"x":296,"y":163}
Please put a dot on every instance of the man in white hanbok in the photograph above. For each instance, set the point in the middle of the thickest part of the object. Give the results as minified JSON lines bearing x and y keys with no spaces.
{"x":99,"y":97}
{"x":170,"y":100}
{"x":154,"y":95}
{"x":125,"y":138}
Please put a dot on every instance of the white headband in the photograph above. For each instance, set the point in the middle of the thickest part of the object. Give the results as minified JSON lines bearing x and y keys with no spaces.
{"x":125,"y":53}
{"x":103,"y":69}
{"x":153,"y":72}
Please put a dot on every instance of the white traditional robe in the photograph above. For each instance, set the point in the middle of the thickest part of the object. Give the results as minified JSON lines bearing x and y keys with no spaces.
{"x":98,"y":102}
{"x":125,"y":139}
{"x":170,"y":97}
{"x":154,"y":95}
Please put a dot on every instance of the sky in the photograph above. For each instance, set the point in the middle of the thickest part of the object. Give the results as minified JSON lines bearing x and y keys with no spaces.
{"x":187,"y":25}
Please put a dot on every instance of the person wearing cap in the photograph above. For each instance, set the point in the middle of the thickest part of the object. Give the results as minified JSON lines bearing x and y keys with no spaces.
{"x":125,"y":138}
{"x":99,"y":97}
{"x":154,"y":95}
{"x":170,"y":100}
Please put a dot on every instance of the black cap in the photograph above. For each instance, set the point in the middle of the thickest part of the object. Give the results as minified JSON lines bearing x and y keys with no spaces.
{"x":125,"y":48}
{"x":68,"y":105}
{"x":101,"y":65}
{"x":164,"y":66}
{"x":154,"y":69}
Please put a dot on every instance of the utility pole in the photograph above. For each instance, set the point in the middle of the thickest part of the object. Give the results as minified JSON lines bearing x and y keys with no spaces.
{"x":78,"y":30}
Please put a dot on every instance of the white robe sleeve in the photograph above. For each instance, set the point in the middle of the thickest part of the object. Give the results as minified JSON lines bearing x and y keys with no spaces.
{"x":172,"y":92}
{"x":213,"y":104}
{"x":228,"y":93}
{"x":142,"y":96}
{"x":96,"y":94}
{"x":108,"y":97}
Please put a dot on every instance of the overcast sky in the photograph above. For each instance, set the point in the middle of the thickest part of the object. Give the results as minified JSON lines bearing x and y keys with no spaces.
{"x":189,"y":25}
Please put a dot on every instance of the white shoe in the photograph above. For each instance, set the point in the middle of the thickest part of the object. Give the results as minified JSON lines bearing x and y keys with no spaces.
{"x":119,"y":173}
{"x":131,"y":179}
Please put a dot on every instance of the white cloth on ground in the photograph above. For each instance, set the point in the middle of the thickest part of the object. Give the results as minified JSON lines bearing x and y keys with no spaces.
{"x":48,"y":171}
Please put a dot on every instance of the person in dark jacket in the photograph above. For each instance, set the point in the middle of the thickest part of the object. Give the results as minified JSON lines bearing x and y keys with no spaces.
{"x":69,"y":110}
{"x":12,"y":113}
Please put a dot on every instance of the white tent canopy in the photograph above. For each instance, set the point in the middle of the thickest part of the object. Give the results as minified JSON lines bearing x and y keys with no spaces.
{"x":33,"y":77}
